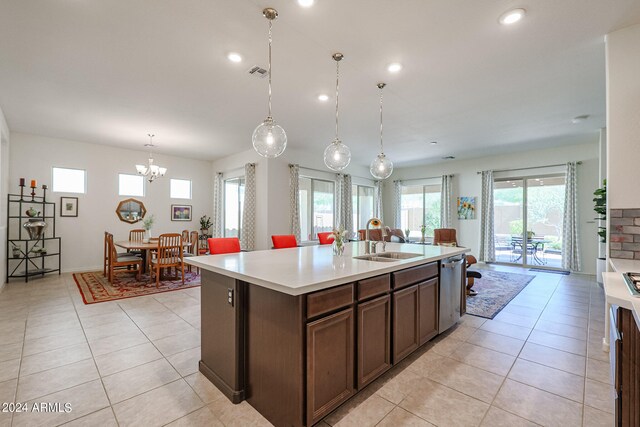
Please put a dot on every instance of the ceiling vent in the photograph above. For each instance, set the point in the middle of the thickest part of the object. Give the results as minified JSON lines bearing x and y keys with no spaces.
{"x":448,"y":158}
{"x":258,"y":72}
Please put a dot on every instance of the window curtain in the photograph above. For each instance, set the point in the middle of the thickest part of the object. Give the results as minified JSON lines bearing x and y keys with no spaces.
{"x":216,"y":218}
{"x":377,"y":197}
{"x":397,"y":204}
{"x":570,"y":243}
{"x":294,"y":200}
{"x":248,"y":233}
{"x":487,"y":241}
{"x":445,"y":202}
{"x":344,"y":209}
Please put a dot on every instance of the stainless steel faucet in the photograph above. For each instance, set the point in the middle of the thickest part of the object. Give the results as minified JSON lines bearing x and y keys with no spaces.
{"x":368,"y":247}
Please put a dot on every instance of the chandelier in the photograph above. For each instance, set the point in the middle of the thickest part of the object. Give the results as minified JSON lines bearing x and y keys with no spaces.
{"x":151,"y":171}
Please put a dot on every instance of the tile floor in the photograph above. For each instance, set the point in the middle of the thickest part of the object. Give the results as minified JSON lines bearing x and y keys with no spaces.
{"x":134,"y":362}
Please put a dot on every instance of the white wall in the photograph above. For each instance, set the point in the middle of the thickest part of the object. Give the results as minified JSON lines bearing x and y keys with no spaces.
{"x":466,"y":182}
{"x":32,"y":157}
{"x":623,"y":117}
{"x":4,"y":185}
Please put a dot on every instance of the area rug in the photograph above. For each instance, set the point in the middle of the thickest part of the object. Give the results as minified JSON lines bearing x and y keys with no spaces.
{"x":94,"y":287}
{"x":495,"y":290}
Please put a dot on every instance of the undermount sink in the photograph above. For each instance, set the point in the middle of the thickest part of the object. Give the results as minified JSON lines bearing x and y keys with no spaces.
{"x":387,"y":256}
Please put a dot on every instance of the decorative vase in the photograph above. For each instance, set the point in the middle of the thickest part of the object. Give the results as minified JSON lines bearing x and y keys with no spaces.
{"x":35,"y":228}
{"x":338,"y":248}
{"x":422,"y":239}
{"x":16,"y":252}
{"x":147,"y":236}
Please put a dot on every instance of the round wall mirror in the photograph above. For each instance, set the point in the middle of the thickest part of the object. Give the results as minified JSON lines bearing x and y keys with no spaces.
{"x":131,"y":211}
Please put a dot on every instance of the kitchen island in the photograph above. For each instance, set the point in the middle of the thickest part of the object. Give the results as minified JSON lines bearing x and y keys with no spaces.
{"x":297,"y":332}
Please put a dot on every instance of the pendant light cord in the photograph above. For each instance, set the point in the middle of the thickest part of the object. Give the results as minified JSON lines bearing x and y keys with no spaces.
{"x":337,"y":87}
{"x":381,"y":147}
{"x":269,"y":71}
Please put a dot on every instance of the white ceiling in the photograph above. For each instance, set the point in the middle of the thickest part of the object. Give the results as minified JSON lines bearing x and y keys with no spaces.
{"x":111,"y":71}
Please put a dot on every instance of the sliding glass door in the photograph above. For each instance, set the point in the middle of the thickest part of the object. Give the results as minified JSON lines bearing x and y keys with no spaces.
{"x":528,"y":215}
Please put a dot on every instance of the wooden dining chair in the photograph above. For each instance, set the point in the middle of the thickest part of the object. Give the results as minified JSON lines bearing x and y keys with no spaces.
{"x":117,"y":263}
{"x":185,"y":235}
{"x":136,"y":235}
{"x":284,"y":241}
{"x":170,"y":254}
{"x":223,"y":245}
{"x":192,"y":249}
{"x":107,"y":253}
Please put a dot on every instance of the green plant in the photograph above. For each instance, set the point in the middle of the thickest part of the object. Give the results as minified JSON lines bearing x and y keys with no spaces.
{"x":515,"y":227}
{"x":148,"y":223}
{"x":205,"y":222}
{"x":600,"y":207}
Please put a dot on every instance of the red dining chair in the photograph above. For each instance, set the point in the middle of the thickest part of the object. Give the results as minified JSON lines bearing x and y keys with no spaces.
{"x":223,"y":245}
{"x":325,"y":238}
{"x":284,"y":241}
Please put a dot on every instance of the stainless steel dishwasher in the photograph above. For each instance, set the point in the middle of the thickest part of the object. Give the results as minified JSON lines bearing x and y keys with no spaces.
{"x":450,"y":291}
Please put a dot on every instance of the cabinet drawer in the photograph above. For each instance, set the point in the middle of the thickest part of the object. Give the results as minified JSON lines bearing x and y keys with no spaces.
{"x":414,"y":275}
{"x":329,"y":300}
{"x":373,"y":287}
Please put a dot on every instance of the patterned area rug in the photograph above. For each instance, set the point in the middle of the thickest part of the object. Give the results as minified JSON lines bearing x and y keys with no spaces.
{"x":495,"y":290}
{"x":94,"y":287}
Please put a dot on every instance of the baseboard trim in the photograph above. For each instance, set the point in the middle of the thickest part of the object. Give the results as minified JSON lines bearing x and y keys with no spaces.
{"x":235,"y":396}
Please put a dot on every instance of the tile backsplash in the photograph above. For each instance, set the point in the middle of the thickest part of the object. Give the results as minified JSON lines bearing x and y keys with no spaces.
{"x":624,"y":236}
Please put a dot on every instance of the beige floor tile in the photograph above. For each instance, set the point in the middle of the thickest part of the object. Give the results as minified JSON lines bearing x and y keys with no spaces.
{"x":10,"y":351}
{"x":554,"y":358}
{"x":496,"y":342}
{"x":54,"y":358}
{"x":53,"y":380}
{"x":158,"y":317}
{"x":466,"y":379}
{"x":400,"y":417}
{"x":496,"y":417}
{"x":537,"y":405}
{"x":568,"y":311}
{"x":559,"y":342}
{"x":395,"y":386}
{"x":516,"y":319}
{"x":102,"y":319}
{"x":565,"y":319}
{"x":177,"y":343}
{"x":117,"y":342}
{"x":599,"y":370}
{"x":204,"y":388}
{"x":201,"y":418}
{"x":157,"y":331}
{"x":599,"y":395}
{"x":441,"y":405}
{"x":549,"y":379}
{"x":368,"y":413}
{"x":49,"y":329}
{"x":186,"y":362}
{"x":127,"y":358}
{"x":138,"y":380}
{"x":484,"y":358}
{"x":509,"y":330}
{"x":424,"y":363}
{"x":158,"y":406}
{"x":7,"y":394}
{"x":471,"y":321}
{"x":84,"y":399}
{"x":594,"y":349}
{"x":110,"y":329}
{"x":102,"y":418}
{"x":53,"y":342}
{"x":522,"y":310}
{"x":445,"y":345}
{"x":577,"y":332}
{"x":461,"y":332}
{"x":239,"y":415}
{"x":596,"y":418}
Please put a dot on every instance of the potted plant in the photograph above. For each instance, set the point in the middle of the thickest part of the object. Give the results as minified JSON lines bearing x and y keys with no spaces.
{"x":600,"y":207}
{"x":205,"y":224}
{"x":147,"y":224}
{"x":423,"y":231}
{"x":339,"y":237}
{"x":406,"y":234}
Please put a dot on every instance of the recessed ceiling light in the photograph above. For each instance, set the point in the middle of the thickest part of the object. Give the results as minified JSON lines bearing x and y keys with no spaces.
{"x":305,"y":3}
{"x":512,"y":16}
{"x":394,"y":67}
{"x":323,"y":97}
{"x":234,"y":57}
{"x":579,"y":119}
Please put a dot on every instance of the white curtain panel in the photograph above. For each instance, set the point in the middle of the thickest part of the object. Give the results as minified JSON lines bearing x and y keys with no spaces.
{"x":344,"y":208}
{"x":294,"y":200}
{"x":487,"y":241}
{"x":445,"y":202}
{"x":397,"y":204}
{"x":570,"y":243}
{"x":216,"y":218}
{"x":248,"y":234}
{"x":377,"y":197}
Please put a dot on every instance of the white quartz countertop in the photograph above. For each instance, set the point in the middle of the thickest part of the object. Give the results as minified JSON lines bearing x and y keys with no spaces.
{"x":616,"y":290}
{"x":301,"y":270}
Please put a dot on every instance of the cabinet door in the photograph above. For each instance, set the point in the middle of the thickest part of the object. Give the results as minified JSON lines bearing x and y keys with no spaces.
{"x":428,"y":312}
{"x":374,"y":339}
{"x":330,"y":359}
{"x":405,"y":322}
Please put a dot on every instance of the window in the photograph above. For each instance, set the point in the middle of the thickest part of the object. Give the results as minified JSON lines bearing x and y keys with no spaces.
{"x":362,"y":205}
{"x":233,"y":206}
{"x":317,"y":207}
{"x":130,"y":185}
{"x":420,"y":204}
{"x":69,"y":180}
{"x":180,"y":189}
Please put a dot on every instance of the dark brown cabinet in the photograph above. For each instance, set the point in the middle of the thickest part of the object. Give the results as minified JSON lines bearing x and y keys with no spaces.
{"x":428,"y":309}
{"x":330,"y":360}
{"x":627,"y":369}
{"x":374,"y":339}
{"x":405,"y":322}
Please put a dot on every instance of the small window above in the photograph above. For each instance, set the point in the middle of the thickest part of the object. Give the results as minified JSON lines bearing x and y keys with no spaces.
{"x":181,"y":189}
{"x":130,"y":185}
{"x":69,"y":180}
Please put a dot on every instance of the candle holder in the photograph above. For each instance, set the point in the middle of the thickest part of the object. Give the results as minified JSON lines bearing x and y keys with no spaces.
{"x":33,"y":193}
{"x":22,"y":190}
{"x":44,"y":192}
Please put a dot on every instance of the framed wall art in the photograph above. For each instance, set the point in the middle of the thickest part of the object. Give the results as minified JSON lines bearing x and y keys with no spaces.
{"x":68,"y":206}
{"x":181,"y":212}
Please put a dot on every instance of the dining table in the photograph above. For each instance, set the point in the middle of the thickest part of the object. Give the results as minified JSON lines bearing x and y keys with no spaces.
{"x":145,"y":248}
{"x":533,"y":245}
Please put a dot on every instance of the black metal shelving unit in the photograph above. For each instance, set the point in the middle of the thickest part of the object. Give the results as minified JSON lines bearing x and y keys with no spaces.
{"x":29,"y":263}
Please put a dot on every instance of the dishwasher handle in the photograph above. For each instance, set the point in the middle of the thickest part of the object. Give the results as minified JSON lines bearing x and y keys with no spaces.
{"x":453,"y":264}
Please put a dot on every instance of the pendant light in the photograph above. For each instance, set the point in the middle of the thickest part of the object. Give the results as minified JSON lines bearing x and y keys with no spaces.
{"x":269,"y":139}
{"x":151,"y":170}
{"x":337,"y":156}
{"x":381,"y":167}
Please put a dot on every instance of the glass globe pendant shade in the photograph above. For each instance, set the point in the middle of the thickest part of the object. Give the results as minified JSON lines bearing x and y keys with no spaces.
{"x":269,"y":139}
{"x":337,"y":156}
{"x":381,"y":167}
